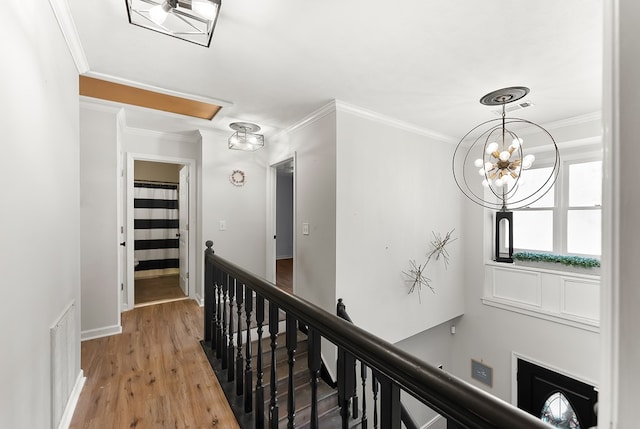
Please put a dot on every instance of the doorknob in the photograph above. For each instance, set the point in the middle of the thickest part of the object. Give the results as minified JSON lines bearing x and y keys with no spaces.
{"x":123,"y":243}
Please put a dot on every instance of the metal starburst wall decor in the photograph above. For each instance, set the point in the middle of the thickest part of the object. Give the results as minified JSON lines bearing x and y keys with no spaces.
{"x":416,"y":273}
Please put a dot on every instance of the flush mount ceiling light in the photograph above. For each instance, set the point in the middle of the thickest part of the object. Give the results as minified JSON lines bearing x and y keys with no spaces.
{"x":492,"y":154}
{"x":245,"y":137}
{"x":190,"y":20}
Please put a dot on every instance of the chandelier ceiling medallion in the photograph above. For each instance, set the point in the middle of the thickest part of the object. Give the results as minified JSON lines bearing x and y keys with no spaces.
{"x":490,"y":166}
{"x":190,"y":20}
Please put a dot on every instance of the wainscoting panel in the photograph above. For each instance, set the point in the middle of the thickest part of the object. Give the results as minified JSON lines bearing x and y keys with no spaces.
{"x":524,"y":288}
{"x":581,"y":298}
{"x":64,"y":342}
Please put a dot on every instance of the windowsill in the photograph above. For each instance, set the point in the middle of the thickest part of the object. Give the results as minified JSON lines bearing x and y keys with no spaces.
{"x":544,"y":291}
{"x":549,"y":267}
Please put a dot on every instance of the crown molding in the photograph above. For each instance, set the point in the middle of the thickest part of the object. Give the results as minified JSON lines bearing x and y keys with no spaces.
{"x":576,"y":120}
{"x":341,"y":106}
{"x":312,"y":117}
{"x":63,"y":15}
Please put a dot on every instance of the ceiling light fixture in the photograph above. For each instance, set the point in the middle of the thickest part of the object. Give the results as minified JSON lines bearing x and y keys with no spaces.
{"x":492,"y":155}
{"x":190,"y":20}
{"x":245,"y":137}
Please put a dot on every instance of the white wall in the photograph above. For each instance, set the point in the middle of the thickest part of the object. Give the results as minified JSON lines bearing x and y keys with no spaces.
{"x":434,"y":347}
{"x":313,"y":141}
{"x":99,"y":220}
{"x":243,"y":208}
{"x":492,"y":334}
{"x":623,"y":104}
{"x":394,"y":189}
{"x":102,"y":153}
{"x":40,"y":249}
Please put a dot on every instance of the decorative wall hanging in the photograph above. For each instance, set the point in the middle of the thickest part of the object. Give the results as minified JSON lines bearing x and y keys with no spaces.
{"x":416,"y":274}
{"x":495,"y":152}
{"x":237,"y":178}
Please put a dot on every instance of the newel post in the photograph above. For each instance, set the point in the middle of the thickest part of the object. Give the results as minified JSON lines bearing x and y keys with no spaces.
{"x":209,"y":293}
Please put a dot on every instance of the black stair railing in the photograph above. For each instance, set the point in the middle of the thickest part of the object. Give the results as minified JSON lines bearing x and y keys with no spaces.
{"x":392,"y":369}
{"x":349,"y":374}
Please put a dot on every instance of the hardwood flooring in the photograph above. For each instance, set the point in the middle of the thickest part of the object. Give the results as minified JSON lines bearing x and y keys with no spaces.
{"x":284,"y":274}
{"x":153,"y":375}
{"x":158,"y":289}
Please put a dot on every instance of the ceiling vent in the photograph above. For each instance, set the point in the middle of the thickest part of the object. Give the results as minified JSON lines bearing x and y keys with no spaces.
{"x":515,"y":106}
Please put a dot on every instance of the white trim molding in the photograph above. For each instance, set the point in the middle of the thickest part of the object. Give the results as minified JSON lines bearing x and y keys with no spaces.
{"x":432,"y":422}
{"x":70,"y":408}
{"x":63,"y":15}
{"x":107,"y":331}
{"x":341,"y":106}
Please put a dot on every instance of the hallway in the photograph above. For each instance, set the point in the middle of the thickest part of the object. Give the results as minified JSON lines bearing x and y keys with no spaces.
{"x":153,"y":375}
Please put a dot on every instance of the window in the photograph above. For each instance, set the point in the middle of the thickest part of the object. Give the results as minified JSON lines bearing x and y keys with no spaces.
{"x":567,"y":219}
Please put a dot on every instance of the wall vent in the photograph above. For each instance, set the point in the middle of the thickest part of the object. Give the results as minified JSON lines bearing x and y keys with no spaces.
{"x":522,"y":104}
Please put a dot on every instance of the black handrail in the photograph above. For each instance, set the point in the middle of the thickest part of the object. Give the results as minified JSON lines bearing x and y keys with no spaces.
{"x":446,"y":394}
{"x":405,"y":416}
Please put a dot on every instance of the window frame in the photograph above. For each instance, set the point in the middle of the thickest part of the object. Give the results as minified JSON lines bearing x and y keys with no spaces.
{"x":561,"y":207}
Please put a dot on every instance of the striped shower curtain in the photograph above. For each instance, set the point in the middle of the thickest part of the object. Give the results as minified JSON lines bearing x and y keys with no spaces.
{"x":156,"y":227}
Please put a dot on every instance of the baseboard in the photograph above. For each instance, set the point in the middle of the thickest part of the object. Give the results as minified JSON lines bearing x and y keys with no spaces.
{"x":200,"y":300}
{"x":431,"y":422}
{"x":92,"y":334}
{"x":65,"y":421}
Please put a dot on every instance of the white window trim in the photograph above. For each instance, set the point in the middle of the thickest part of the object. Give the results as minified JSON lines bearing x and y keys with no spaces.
{"x":561,"y":203}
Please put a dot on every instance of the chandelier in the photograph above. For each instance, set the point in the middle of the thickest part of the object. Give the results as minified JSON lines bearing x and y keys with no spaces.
{"x":190,"y":20}
{"x":490,"y":165}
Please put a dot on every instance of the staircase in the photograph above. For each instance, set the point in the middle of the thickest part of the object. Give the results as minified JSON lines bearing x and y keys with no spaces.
{"x":327,"y":396}
{"x":271,"y":371}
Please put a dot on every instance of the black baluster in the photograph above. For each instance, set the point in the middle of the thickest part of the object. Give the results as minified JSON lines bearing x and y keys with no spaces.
{"x":314,"y":364}
{"x":230,"y":347}
{"x":219,"y":281}
{"x":225,"y":354}
{"x":273,"y":331}
{"x":374,"y":386}
{"x":390,"y":408}
{"x":346,"y":384}
{"x":239,"y":359}
{"x":248,"y":371}
{"x":363,"y":377}
{"x":292,"y":344}
{"x":259,"y":414}
{"x":209,"y":297}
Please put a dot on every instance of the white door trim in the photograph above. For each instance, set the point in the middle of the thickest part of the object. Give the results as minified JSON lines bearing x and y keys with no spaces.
{"x":128,"y":204}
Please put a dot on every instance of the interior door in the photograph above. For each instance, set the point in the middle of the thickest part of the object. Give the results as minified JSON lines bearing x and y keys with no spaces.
{"x":555,"y":398}
{"x":183,"y":228}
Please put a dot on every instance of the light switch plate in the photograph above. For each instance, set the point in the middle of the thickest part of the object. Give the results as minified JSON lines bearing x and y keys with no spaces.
{"x":305,"y":228}
{"x":223,"y":225}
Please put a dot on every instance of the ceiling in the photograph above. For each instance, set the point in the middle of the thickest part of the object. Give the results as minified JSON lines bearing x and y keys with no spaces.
{"x":426,"y":63}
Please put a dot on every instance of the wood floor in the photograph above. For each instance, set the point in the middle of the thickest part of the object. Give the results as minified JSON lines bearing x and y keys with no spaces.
{"x":158,"y":289}
{"x":153,"y":375}
{"x":284,"y":274}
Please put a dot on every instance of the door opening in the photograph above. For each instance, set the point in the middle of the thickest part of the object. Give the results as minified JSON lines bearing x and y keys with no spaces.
{"x":160,"y":232}
{"x":555,"y":398}
{"x":284,"y":224}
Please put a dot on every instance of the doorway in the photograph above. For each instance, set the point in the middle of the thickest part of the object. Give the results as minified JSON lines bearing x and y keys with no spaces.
{"x":284,"y":224}
{"x":557,"y":399}
{"x":158,"y":193}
